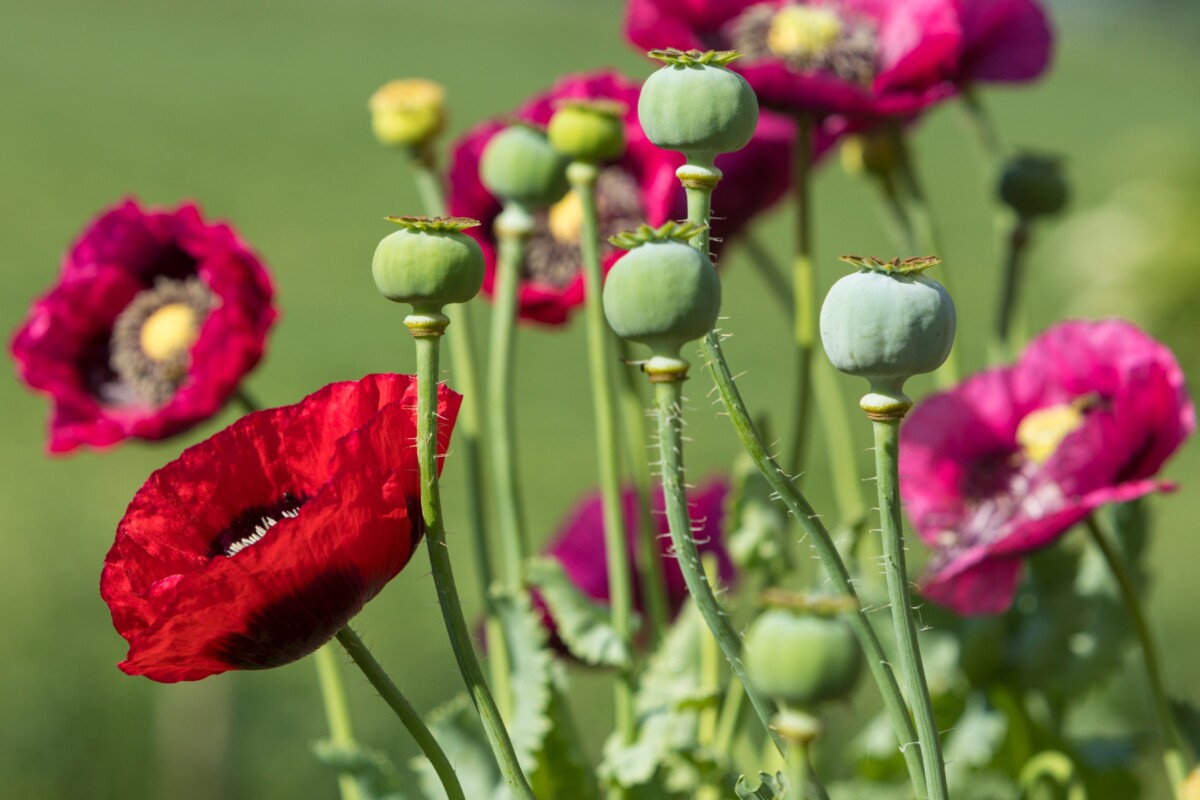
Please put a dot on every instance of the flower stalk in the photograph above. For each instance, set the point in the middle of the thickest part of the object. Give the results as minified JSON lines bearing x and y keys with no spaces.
{"x":408,"y":715}
{"x":803,"y":290}
{"x":337,"y":713}
{"x":1016,"y":247}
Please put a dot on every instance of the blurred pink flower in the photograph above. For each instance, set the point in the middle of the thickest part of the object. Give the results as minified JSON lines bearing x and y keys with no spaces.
{"x":639,"y":187}
{"x":1012,"y":458}
{"x":1003,"y":40}
{"x":155,"y":319}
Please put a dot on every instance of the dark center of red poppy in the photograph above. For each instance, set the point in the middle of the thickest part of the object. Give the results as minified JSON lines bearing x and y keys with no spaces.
{"x":552,"y":255}
{"x":252,"y":524}
{"x":151,"y":344}
{"x":809,"y":38}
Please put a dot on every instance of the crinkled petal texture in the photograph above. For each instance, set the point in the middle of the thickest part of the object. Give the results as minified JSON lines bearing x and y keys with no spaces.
{"x":981,"y":502}
{"x":337,"y":473}
{"x":754,"y":179}
{"x":916,"y":48}
{"x":1004,"y":40}
{"x":63,"y":347}
{"x":579,"y":544}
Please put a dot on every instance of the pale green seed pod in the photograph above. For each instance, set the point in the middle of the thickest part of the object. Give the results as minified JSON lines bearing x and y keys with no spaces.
{"x":588,"y":130}
{"x":887,"y":322}
{"x":518,"y":165}
{"x":696,"y":106}
{"x":429,"y":263}
{"x":663,"y":293}
{"x":802,"y":660}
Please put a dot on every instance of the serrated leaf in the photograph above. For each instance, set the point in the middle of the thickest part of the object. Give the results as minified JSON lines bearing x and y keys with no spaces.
{"x":976,"y":739}
{"x":563,"y":771}
{"x":457,"y":729}
{"x":861,"y":789}
{"x":758,"y":525}
{"x":582,"y":624}
{"x":530,"y":676}
{"x":770,"y":787}
{"x":373,"y":771}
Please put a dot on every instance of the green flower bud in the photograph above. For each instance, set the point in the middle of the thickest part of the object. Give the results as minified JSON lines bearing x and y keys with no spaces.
{"x":800,"y":660}
{"x":429,"y":263}
{"x":408,"y":113}
{"x":696,"y":106}
{"x":1033,"y":186}
{"x":588,"y":130}
{"x":663,"y":292}
{"x":872,"y":152}
{"x":519,"y":166}
{"x":886,"y":323}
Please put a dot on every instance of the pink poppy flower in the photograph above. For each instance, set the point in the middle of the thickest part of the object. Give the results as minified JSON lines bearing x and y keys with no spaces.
{"x":579,"y":544}
{"x":1007,"y":41}
{"x":858,"y":58}
{"x":156,"y":317}
{"x":639,"y":187}
{"x":1012,"y":458}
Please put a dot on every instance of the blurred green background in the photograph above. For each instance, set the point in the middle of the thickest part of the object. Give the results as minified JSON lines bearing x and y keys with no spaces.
{"x":257,"y":111}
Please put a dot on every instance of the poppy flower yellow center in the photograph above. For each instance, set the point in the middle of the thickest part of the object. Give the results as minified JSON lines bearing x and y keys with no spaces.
{"x":565,"y":219}
{"x":169,"y":331}
{"x":803,"y":32}
{"x":1041,"y":432}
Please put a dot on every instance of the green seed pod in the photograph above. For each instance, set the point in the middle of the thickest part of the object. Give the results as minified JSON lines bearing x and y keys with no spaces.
{"x":429,"y":263}
{"x":408,"y":113}
{"x":1033,"y":186}
{"x":802,"y":660}
{"x":696,"y":106}
{"x":519,"y":166}
{"x":663,"y":292}
{"x":588,"y":130}
{"x":887,"y":322}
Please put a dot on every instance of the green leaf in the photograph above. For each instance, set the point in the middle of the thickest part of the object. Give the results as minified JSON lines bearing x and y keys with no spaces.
{"x":770,"y":787}
{"x":530,"y":677}
{"x":582,"y":624}
{"x":457,"y":729}
{"x":861,"y":789}
{"x":757,"y":524}
{"x":373,"y":771}
{"x":563,"y":771}
{"x":974,"y":743}
{"x":1187,"y":721}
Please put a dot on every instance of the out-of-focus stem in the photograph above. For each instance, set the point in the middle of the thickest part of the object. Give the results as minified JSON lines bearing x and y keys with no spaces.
{"x":1010,"y":287}
{"x":337,"y":713}
{"x":803,"y":287}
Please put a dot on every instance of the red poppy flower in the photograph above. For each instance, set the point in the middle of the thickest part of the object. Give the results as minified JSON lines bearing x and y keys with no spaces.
{"x":1012,"y":458}
{"x":859,"y":58}
{"x":254,"y":547}
{"x":1003,"y":40}
{"x":156,"y":318}
{"x":579,"y":543}
{"x":640,"y":187}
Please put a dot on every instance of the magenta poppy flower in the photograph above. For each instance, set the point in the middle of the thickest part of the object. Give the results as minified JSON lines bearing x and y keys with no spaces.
{"x":254,"y":547}
{"x":1003,"y":40}
{"x":858,"y":58}
{"x":1012,"y":458}
{"x":156,"y":318}
{"x":579,"y":543}
{"x":640,"y":187}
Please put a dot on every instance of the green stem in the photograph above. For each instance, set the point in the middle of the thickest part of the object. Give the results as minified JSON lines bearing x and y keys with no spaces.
{"x":1014,"y":259}
{"x":1174,"y":757}
{"x":803,"y":287}
{"x":797,"y":773}
{"x":404,"y":710}
{"x":337,"y":713}
{"x":443,"y":575}
{"x":667,"y":396}
{"x":616,"y":542}
{"x":512,"y":229}
{"x":985,"y":127}
{"x":699,"y":206}
{"x":770,"y":273}
{"x":822,"y":543}
{"x":469,"y":433}
{"x":248,"y":403}
{"x":887,"y":481}
{"x":650,"y":562}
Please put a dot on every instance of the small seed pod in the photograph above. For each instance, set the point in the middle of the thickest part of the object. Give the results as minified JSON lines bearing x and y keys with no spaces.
{"x":886,"y":323}
{"x":429,"y":263}
{"x":801,"y":660}
{"x":408,"y":113}
{"x":1033,"y":186}
{"x":518,"y":165}
{"x":663,"y":292}
{"x":588,"y":130}
{"x":696,"y":106}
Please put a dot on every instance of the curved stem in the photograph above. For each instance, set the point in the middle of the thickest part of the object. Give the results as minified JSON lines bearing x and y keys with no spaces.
{"x":616,"y":542}
{"x":803,"y":287}
{"x":822,"y":543}
{"x":511,"y":233}
{"x":1174,"y":757}
{"x":667,"y":396}
{"x":337,"y":713}
{"x":443,"y":575}
{"x":887,"y":481}
{"x":404,"y":710}
{"x":1014,"y":259}
{"x":248,"y":403}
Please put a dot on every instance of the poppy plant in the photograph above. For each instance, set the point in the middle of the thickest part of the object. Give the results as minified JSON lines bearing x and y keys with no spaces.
{"x":1008,"y":41}
{"x":154,"y":321}
{"x":638,"y":187}
{"x":254,"y":547}
{"x":1009,"y":460}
